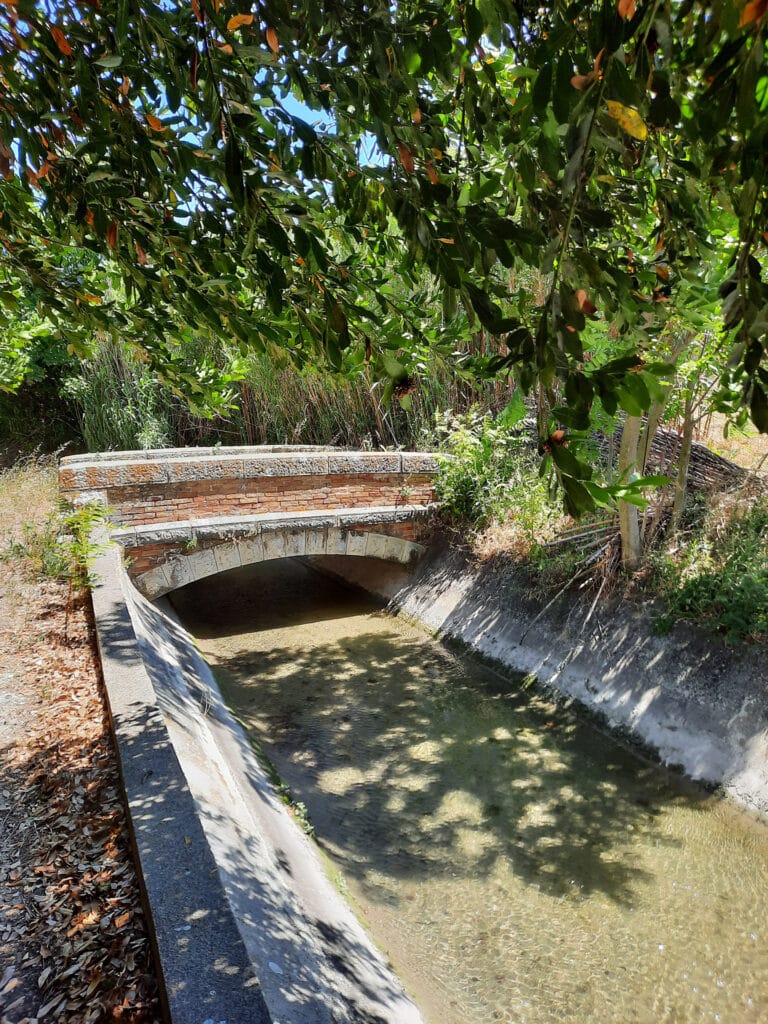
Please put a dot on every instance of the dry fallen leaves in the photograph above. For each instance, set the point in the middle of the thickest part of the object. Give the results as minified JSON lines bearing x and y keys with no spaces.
{"x":74,"y":917}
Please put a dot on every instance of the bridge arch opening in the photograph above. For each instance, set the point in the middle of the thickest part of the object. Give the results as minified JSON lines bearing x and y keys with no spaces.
{"x":188,"y":564}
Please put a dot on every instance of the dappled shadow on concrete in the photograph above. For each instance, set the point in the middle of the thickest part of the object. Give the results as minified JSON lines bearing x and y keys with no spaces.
{"x":314,"y":964}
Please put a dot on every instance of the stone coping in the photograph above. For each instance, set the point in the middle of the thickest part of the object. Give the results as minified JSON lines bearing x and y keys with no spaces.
{"x":80,"y":473}
{"x":189,"y":531}
{"x":153,"y":454}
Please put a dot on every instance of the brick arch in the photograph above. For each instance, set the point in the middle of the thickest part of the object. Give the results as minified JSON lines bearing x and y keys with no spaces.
{"x":187,"y":566}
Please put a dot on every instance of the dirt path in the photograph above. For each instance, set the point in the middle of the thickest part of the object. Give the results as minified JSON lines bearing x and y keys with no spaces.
{"x":73,"y":942}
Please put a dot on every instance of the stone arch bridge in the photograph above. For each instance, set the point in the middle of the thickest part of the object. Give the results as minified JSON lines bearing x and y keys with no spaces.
{"x":184,"y":514}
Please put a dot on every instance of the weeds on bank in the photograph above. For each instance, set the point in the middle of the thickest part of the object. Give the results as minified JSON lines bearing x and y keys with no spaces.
{"x":490,"y":471}
{"x":716,"y":571}
{"x":61,"y":546}
{"x":28,"y":490}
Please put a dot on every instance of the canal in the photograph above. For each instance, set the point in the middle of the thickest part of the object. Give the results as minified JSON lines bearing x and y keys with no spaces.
{"x":514,"y":863}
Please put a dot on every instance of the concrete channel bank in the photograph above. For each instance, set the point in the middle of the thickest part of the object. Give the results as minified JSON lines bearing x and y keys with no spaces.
{"x":247,"y":927}
{"x":700,"y":705}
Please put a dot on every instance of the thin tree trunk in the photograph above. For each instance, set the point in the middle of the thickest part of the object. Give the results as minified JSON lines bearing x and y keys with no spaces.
{"x":685,"y":459}
{"x":628,"y":518}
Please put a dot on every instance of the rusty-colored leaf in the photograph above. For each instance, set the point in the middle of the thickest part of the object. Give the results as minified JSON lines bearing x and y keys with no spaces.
{"x":61,"y":40}
{"x":662,"y":272}
{"x":89,"y":217}
{"x":225,"y":48}
{"x":125,"y":86}
{"x":417,"y":116}
{"x":272,"y":40}
{"x":197,"y":11}
{"x":112,"y":235}
{"x":406,"y":158}
{"x":155,"y":123}
{"x":753,"y":11}
{"x":582,"y":81}
{"x":432,"y":174}
{"x":583,"y":302}
{"x":629,"y":119}
{"x":238,"y":20}
{"x":141,"y":255}
{"x":626,"y":9}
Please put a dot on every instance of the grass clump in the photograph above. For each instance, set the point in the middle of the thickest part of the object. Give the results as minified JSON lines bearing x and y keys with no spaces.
{"x":716,"y":573}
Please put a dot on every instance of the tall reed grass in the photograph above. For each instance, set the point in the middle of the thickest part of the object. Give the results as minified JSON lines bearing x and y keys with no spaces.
{"x":120,"y":405}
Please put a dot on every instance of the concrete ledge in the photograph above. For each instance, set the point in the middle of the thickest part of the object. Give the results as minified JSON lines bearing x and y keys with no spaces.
{"x":247,"y":926}
{"x":204,"y":968}
{"x":187,"y":531}
{"x":183,"y":465}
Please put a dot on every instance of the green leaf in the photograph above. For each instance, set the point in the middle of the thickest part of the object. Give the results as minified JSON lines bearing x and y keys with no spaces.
{"x":542,"y":88}
{"x":233,"y":170}
{"x":113,"y":60}
{"x":758,"y":407}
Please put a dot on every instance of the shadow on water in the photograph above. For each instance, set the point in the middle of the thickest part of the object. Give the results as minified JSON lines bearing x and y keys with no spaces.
{"x":417,"y":762}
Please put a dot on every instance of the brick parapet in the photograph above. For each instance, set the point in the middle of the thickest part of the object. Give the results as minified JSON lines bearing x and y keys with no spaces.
{"x":167,"y":486}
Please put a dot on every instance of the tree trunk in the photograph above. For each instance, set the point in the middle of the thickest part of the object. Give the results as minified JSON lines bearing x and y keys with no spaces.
{"x":685,"y":458}
{"x":628,"y":517}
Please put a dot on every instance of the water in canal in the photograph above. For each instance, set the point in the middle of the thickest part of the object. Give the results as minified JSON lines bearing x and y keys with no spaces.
{"x":514,"y":863}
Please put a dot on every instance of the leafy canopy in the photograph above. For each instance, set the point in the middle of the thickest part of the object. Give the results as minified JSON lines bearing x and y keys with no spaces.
{"x":612,"y":146}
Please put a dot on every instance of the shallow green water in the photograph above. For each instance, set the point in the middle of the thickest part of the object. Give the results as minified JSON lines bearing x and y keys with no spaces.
{"x":515,"y":864}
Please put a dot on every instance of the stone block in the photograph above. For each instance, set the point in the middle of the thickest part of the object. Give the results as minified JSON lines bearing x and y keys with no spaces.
{"x":154,"y":583}
{"x":210,"y":467}
{"x":418,"y":462}
{"x":283,"y":464}
{"x":164,"y":533}
{"x":251,"y":549}
{"x":201,"y":563}
{"x":178,"y":573}
{"x":364,"y":462}
{"x":227,"y":556}
{"x":376,"y":546}
{"x":356,"y":542}
{"x":368,"y":516}
{"x":336,"y":542}
{"x":316,"y":542}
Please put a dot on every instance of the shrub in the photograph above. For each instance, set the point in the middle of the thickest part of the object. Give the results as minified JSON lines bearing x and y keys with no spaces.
{"x":718,"y":574}
{"x":490,"y":470}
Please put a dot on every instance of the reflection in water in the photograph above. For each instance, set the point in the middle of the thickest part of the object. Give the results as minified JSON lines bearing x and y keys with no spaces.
{"x":515,"y":864}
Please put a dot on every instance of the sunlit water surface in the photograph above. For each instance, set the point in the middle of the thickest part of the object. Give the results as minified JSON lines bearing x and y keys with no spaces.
{"x":515,"y":864}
